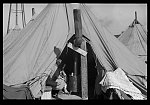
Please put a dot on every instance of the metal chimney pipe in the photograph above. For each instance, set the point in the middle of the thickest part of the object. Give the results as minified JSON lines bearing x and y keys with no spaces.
{"x":33,"y":11}
{"x":135,"y":15}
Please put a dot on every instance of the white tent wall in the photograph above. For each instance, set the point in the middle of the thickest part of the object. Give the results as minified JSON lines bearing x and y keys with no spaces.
{"x":10,"y":37}
{"x":121,"y":56}
{"x":113,"y":44}
{"x":100,"y":50}
{"x":32,"y":53}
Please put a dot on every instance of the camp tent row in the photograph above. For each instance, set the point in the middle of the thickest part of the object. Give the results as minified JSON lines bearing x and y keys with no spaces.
{"x":30,"y":57}
{"x":135,"y":38}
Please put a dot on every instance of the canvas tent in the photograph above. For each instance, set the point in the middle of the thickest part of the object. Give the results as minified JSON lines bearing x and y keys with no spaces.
{"x":11,"y":36}
{"x":135,"y":38}
{"x":30,"y":57}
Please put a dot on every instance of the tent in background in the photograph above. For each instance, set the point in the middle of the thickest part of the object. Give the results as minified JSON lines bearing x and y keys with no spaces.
{"x":135,"y":38}
{"x":30,"y":57}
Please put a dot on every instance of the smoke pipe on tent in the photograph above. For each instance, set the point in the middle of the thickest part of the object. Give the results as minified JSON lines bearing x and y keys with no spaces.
{"x":135,"y":15}
{"x":33,"y":12}
{"x":136,"y":21}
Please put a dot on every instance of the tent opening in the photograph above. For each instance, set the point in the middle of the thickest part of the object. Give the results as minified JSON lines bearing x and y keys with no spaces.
{"x":68,"y":57}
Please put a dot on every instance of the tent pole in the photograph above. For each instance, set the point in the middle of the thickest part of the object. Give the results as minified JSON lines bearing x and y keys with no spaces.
{"x":84,"y":76}
{"x":80,"y":42}
{"x":9,"y":19}
{"x":16,"y":14}
{"x":24,"y":19}
{"x":75,"y":72}
{"x":23,"y":16}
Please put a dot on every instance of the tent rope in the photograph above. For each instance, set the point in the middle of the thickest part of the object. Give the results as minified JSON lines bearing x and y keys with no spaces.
{"x":141,"y":41}
{"x":140,"y":34}
{"x":29,"y":81}
{"x":143,"y":29}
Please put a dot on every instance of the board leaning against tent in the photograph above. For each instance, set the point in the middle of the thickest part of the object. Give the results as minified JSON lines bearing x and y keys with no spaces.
{"x":29,"y":59}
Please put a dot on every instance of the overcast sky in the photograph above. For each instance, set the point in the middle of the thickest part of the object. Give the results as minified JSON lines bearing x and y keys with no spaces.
{"x":116,"y":17}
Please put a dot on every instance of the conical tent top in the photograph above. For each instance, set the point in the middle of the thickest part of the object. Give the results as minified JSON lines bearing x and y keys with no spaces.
{"x":136,"y":21}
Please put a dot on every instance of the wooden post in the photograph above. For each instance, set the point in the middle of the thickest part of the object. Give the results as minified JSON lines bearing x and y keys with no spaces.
{"x":84,"y":76}
{"x":75,"y":72}
{"x":76,"y":25}
{"x":82,"y":44}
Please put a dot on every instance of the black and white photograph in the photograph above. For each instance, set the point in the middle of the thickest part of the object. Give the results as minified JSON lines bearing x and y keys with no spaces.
{"x":75,"y":51}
